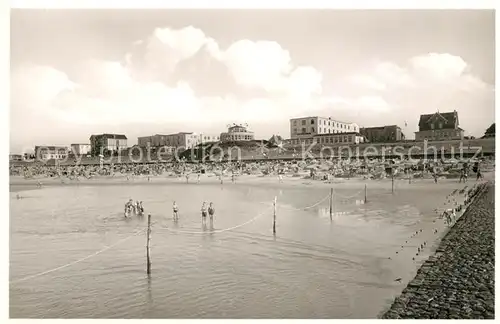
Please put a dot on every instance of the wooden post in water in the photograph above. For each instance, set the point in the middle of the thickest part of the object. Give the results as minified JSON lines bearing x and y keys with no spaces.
{"x":274,"y":215}
{"x":148,"y":249}
{"x":331,"y":204}
{"x":365,"y":195}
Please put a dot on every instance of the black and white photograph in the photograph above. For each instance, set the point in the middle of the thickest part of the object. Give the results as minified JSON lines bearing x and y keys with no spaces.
{"x":246,"y":163}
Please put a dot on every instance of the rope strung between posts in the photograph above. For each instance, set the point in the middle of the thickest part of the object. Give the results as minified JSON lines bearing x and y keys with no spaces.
{"x":168,"y":229}
{"x":79,"y":260}
{"x":125,"y":239}
{"x":347,"y":197}
{"x":215,"y":231}
{"x":308,"y":207}
{"x":241,"y":225}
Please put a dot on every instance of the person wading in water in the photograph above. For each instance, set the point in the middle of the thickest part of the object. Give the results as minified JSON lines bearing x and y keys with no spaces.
{"x":211,"y":213}
{"x":176,"y":211}
{"x":204,"y":213}
{"x":140,"y":209}
{"x":129,"y":207}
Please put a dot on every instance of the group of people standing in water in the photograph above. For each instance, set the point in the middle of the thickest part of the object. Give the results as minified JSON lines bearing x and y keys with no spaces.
{"x":136,"y":208}
{"x":205,"y":211}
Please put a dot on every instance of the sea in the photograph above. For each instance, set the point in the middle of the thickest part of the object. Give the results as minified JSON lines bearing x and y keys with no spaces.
{"x":73,"y":254}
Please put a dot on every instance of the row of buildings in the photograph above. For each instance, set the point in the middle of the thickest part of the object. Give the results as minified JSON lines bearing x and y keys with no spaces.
{"x":325,"y":130}
{"x":306,"y":130}
{"x":187,"y":140}
{"x":113,"y":144}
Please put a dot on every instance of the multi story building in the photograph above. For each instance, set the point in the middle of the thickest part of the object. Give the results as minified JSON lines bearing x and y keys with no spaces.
{"x":383,"y":134}
{"x":308,"y":127}
{"x":107,"y":143}
{"x":45,"y":153}
{"x":237,"y":133}
{"x":348,"y":138}
{"x":81,"y":149}
{"x":145,"y":141}
{"x":185,"y":140}
{"x":439,"y":126}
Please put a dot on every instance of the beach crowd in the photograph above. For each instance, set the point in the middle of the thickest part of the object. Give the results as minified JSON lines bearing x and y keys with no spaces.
{"x":311,"y":168}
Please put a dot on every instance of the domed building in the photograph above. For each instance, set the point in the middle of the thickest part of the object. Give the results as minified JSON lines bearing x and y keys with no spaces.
{"x":237,"y":133}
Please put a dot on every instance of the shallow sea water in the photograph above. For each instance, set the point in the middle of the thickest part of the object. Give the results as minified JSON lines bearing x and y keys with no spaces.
{"x":313,"y":268}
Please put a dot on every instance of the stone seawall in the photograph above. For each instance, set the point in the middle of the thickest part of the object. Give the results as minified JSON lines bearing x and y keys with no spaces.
{"x":458,"y":282}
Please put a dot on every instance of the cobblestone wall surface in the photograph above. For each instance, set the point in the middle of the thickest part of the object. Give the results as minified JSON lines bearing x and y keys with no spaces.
{"x":458,"y":282}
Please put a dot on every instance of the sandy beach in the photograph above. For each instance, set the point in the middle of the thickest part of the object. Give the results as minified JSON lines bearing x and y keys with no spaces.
{"x":18,"y":183}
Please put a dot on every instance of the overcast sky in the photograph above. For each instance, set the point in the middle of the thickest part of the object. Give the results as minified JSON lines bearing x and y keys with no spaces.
{"x":141,"y":72}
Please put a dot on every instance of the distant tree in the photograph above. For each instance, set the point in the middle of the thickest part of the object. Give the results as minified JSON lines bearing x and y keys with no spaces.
{"x":275,"y":140}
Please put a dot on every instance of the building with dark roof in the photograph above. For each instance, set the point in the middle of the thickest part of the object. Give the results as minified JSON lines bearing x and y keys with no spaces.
{"x":439,"y":126}
{"x":383,"y":134}
{"x":107,"y":144}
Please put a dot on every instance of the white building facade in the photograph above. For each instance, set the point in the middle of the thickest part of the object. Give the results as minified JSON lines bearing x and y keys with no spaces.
{"x":45,"y":153}
{"x":237,"y":133}
{"x":308,"y":127}
{"x":209,"y":138}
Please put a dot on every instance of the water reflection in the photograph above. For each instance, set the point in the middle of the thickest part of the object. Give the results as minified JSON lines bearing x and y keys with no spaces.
{"x":149,"y":294}
{"x":324,"y":212}
{"x":194,"y":276}
{"x":356,"y":202}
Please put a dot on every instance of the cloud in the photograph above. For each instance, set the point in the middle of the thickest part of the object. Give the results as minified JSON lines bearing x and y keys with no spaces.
{"x":32,"y":114}
{"x":184,"y":78}
{"x":42,"y":82}
{"x":252,"y":64}
{"x":348,"y":109}
{"x":439,"y":66}
{"x":425,"y":84}
{"x":368,"y":81}
{"x":266,"y":65}
{"x":423,"y":71}
{"x":167,"y":47}
{"x":151,"y":85}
